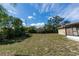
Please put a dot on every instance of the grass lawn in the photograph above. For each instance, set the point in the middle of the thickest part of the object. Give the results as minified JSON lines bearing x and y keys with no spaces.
{"x":42,"y":45}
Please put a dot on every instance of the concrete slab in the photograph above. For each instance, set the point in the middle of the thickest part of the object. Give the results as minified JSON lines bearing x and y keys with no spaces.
{"x":75,"y":38}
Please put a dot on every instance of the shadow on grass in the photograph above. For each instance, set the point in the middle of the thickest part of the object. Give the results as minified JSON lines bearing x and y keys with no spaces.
{"x":13,"y":40}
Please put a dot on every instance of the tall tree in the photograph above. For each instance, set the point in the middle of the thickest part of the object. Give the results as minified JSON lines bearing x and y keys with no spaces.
{"x":56,"y":20}
{"x":17,"y":23}
{"x":53,"y":23}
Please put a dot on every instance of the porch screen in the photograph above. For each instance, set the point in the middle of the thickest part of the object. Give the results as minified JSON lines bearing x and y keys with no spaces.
{"x":69,"y":31}
{"x":75,"y":31}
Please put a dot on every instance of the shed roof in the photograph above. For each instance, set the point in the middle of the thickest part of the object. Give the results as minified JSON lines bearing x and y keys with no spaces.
{"x":76,"y":24}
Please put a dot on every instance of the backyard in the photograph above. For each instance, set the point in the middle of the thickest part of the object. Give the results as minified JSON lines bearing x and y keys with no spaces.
{"x":42,"y":45}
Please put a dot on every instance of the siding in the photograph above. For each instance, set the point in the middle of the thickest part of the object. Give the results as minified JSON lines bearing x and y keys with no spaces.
{"x":62,"y":31}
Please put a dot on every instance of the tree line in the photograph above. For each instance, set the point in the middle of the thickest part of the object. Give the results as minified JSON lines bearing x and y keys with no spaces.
{"x":12,"y":27}
{"x":50,"y":27}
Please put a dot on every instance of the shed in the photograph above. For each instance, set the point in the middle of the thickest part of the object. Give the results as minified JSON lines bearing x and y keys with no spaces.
{"x":70,"y":30}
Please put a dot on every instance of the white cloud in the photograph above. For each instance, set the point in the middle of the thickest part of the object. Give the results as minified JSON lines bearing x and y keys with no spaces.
{"x":66,"y":11}
{"x":70,"y":12}
{"x":23,"y":19}
{"x":12,"y":12}
{"x":74,"y":14}
{"x":30,"y":17}
{"x":24,"y":24}
{"x":9,"y":8}
{"x":43,"y":7}
{"x":38,"y":24}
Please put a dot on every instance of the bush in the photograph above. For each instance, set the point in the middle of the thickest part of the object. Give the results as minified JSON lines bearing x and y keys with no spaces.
{"x":31,"y":29}
{"x":8,"y":33}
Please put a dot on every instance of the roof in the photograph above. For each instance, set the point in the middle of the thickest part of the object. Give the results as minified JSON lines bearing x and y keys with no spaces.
{"x":76,"y":24}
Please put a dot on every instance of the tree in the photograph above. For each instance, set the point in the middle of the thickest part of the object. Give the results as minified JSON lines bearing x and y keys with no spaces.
{"x":56,"y":20}
{"x":3,"y":15}
{"x":48,"y":28}
{"x":53,"y":24}
{"x":17,"y":23}
{"x":17,"y":26}
{"x":31,"y":29}
{"x":10,"y":27}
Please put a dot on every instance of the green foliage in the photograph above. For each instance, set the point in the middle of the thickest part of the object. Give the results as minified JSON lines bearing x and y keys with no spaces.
{"x":17,"y":23}
{"x":10,"y":27}
{"x":31,"y":29}
{"x":53,"y":24}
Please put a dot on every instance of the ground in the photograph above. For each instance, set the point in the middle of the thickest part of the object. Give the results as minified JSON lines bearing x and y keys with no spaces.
{"x":42,"y":45}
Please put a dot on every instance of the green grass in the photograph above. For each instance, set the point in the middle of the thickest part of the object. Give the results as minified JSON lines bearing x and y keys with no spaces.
{"x":42,"y":45}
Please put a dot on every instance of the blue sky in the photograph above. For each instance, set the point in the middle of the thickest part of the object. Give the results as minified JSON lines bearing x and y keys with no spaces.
{"x":37,"y":14}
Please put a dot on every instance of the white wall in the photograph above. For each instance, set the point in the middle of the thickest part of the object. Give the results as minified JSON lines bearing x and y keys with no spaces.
{"x":61,"y":31}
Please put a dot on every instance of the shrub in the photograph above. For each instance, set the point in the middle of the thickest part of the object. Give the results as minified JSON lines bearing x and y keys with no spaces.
{"x":31,"y":29}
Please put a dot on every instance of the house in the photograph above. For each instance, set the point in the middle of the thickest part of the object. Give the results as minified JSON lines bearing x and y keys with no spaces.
{"x":70,"y":30}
